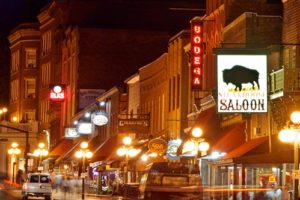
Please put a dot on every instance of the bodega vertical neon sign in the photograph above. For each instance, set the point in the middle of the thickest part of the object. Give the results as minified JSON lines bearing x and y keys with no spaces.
{"x":196,"y":54}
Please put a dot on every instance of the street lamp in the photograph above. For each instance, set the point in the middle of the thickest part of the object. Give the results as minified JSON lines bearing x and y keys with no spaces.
{"x":196,"y":144}
{"x":83,"y":153}
{"x":40,"y":152}
{"x":127,"y":151}
{"x":292,"y":135}
{"x":13,"y":151}
{"x":3,"y":112}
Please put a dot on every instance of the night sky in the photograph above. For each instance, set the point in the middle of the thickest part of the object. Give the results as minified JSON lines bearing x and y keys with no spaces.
{"x":13,"y":12}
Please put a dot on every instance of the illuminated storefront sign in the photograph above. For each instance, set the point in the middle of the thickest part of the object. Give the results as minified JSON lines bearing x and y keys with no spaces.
{"x":242,"y":82}
{"x":71,"y":133}
{"x":100,"y":118}
{"x":84,"y":128}
{"x":57,"y":92}
{"x":157,"y":145}
{"x":173,"y":146}
{"x":196,"y":53}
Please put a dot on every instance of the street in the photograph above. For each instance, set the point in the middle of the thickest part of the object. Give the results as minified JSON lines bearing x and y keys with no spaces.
{"x":15,"y":194}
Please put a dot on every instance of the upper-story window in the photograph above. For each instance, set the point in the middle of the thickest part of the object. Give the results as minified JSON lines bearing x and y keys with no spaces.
{"x":289,"y":57}
{"x":14,"y":90}
{"x":45,"y":79}
{"x":46,"y":42}
{"x":30,"y":88}
{"x":44,"y":108}
{"x":15,"y":61}
{"x":30,"y":58}
{"x":29,"y":115}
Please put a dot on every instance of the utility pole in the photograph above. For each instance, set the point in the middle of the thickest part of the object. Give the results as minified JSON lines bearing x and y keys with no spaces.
{"x":27,"y":146}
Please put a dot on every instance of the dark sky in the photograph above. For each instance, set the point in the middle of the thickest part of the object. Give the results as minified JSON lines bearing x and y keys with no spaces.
{"x":13,"y":12}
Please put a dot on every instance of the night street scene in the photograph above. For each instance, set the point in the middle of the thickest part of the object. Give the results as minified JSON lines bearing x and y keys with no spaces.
{"x":149,"y":99}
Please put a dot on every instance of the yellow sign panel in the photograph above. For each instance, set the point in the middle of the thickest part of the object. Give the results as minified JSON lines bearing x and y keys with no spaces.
{"x":272,"y":179}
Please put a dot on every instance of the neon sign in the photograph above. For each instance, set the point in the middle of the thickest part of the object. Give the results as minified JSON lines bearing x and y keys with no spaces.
{"x":57,"y":93}
{"x":197,"y":53}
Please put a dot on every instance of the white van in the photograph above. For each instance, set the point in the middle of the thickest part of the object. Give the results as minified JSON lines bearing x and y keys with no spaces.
{"x":37,"y":185}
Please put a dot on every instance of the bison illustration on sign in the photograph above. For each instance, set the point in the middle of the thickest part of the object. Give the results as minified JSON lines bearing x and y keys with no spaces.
{"x":239,"y":75}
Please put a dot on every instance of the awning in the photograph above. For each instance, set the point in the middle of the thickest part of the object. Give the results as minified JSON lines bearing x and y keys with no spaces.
{"x":246,"y":148}
{"x":69,"y":151}
{"x":62,"y":147}
{"x":268,"y":158}
{"x":230,"y":138}
{"x":208,"y":121}
{"x":107,"y":150}
{"x":252,"y":147}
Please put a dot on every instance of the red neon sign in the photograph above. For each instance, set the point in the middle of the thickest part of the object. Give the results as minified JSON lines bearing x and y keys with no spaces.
{"x":196,"y":53}
{"x":57,"y":93}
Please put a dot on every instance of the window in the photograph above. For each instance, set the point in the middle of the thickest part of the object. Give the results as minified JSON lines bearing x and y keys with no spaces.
{"x":44,"y":108}
{"x":30,"y":88}
{"x":34,"y":179}
{"x":30,"y":58}
{"x":290,"y":57}
{"x":15,"y":61}
{"x":46,"y":42}
{"x":14,"y":93}
{"x":45,"y":179}
{"x":45,"y":74}
{"x":29,"y":115}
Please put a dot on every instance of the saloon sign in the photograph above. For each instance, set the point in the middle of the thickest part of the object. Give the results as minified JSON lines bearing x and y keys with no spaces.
{"x":242,"y":83}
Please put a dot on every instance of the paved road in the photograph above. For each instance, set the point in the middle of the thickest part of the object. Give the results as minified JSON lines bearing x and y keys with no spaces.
{"x":15,"y":194}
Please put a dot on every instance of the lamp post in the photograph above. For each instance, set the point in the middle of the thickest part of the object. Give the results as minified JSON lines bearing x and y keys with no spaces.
{"x":292,"y":135}
{"x":3,"y":112}
{"x":83,"y":153}
{"x":196,"y":144}
{"x":127,"y":151}
{"x":13,"y":151}
{"x":40,"y":152}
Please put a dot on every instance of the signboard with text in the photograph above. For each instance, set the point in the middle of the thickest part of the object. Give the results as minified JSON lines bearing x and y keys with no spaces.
{"x":242,"y":83}
{"x":197,"y":52}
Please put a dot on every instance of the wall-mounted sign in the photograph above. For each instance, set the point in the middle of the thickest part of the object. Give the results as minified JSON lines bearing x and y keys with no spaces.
{"x":127,"y":124}
{"x":157,"y":145}
{"x":197,"y":53}
{"x":99,"y":117}
{"x":84,"y":128}
{"x":172,"y":148}
{"x":242,"y":83}
{"x":57,"y":92}
{"x":71,"y":133}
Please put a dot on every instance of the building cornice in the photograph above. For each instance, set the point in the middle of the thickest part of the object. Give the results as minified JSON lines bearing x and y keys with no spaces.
{"x":24,"y":34}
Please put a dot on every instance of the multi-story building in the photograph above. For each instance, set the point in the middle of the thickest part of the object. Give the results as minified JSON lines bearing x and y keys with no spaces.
{"x":23,"y":103}
{"x":25,"y":47}
{"x":88,"y":48}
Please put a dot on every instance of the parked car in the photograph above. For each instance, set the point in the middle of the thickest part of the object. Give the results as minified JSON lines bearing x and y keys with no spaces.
{"x":37,"y":185}
{"x":169,"y":181}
